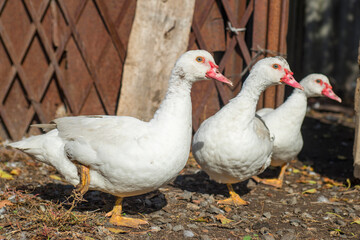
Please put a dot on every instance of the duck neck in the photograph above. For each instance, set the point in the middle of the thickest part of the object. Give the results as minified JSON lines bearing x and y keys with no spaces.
{"x":177,"y":102}
{"x":245,"y":102}
{"x":294,"y":108}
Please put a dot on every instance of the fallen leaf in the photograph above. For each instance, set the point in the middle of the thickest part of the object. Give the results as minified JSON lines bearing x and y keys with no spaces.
{"x":227,"y":209}
{"x":201,"y":219}
{"x":5,"y":175}
{"x":116,"y":230}
{"x":334,"y":215}
{"x":328,"y":180}
{"x":312,"y":190}
{"x":349,"y":184}
{"x":3,"y":203}
{"x":55,"y":177}
{"x":357,"y":221}
{"x":248,"y":237}
{"x":15,"y":171}
{"x":306,"y":181}
{"x":88,"y":238}
{"x":223,"y":219}
{"x":295,"y":170}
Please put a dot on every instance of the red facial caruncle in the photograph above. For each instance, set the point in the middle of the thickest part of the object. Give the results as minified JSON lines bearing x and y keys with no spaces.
{"x":327,"y":91}
{"x":214,"y":73}
{"x":288,"y":78}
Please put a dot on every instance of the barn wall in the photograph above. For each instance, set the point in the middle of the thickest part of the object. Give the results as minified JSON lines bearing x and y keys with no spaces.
{"x":62,"y":57}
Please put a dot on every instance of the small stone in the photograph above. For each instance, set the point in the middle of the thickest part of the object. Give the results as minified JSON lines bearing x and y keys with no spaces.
{"x":356,"y":207}
{"x":236,"y":217}
{"x":204,"y":204}
{"x":292,"y":201}
{"x":12,"y":198}
{"x":323,"y":199}
{"x":205,"y":237}
{"x":306,"y":215}
{"x":297,"y":210}
{"x":295,"y":222}
{"x":340,"y":222}
{"x":267,"y":215}
{"x":169,"y":226}
{"x":214,"y":210}
{"x":289,"y":236}
{"x":2,"y":210}
{"x":205,"y":195}
{"x":178,"y":228}
{"x":21,"y":236}
{"x":337,"y":210}
{"x":286,"y":214}
{"x":188,"y":234}
{"x":42,"y":208}
{"x":251,"y":184}
{"x":186,"y":195}
{"x":210,"y":199}
{"x":350,"y":210}
{"x":352,"y":215}
{"x":192,"y":207}
{"x":191,"y":225}
{"x":264,"y":230}
{"x":268,"y":236}
{"x":155,"y":229}
{"x":289,"y":190}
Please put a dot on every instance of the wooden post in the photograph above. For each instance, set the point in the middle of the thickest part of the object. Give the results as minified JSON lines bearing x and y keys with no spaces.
{"x":159,"y":35}
{"x":356,"y":151}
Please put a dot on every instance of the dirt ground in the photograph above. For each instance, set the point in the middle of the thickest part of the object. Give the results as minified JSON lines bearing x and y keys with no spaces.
{"x":319,"y":199}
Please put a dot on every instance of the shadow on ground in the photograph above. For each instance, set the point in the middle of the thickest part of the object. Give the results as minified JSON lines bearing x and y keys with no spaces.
{"x":200,"y":183}
{"x":96,"y":200}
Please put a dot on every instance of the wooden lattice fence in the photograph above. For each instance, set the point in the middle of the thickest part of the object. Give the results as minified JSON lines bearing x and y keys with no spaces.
{"x":68,"y":55}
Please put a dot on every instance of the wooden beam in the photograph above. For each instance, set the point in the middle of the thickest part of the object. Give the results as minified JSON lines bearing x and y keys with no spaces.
{"x":356,"y":151}
{"x":159,"y":35}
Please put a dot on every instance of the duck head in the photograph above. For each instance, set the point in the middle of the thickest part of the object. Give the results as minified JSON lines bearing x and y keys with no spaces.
{"x":275,"y":70}
{"x":317,"y":85}
{"x":196,"y":65}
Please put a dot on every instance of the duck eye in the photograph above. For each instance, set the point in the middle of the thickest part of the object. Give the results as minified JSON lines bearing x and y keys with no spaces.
{"x":275,"y":66}
{"x":200,"y":59}
{"x":318,"y":81}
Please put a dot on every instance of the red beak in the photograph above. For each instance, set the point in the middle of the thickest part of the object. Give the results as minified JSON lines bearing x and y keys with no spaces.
{"x":214,"y":73}
{"x":290,"y":80}
{"x":328,"y":92}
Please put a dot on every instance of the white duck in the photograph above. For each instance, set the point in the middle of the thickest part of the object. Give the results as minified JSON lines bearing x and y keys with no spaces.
{"x":285,"y":123}
{"x":234,"y":145}
{"x":125,"y":156}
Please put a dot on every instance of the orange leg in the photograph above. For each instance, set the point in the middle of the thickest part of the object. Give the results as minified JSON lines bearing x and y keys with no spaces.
{"x":234,"y":198}
{"x":119,"y":220}
{"x":83,"y":186}
{"x":275,"y":182}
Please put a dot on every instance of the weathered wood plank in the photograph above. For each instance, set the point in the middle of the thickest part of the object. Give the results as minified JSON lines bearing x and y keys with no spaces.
{"x":356,"y":151}
{"x":259,"y":33}
{"x":159,"y":35}
{"x":273,"y":44}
